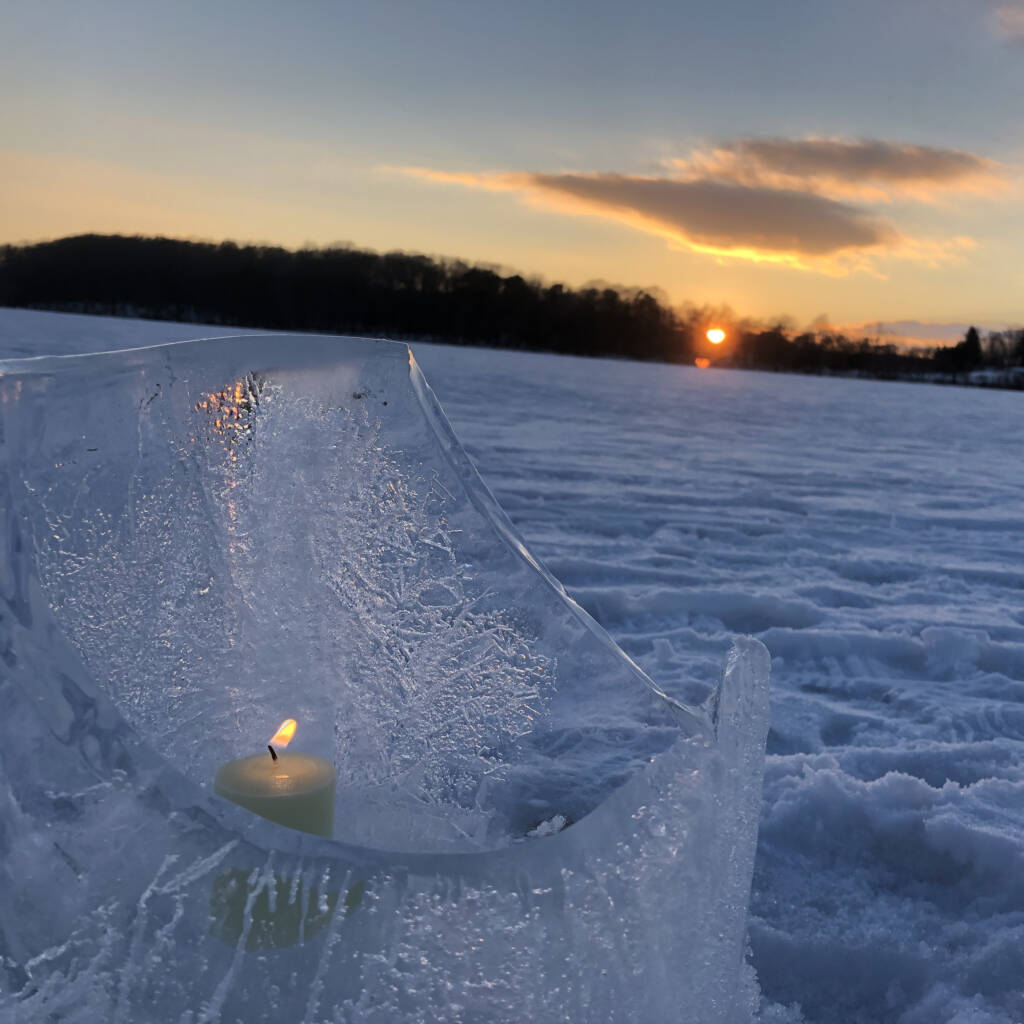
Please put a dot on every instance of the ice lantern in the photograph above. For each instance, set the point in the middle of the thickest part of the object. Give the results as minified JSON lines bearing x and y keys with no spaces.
{"x":197,"y":535}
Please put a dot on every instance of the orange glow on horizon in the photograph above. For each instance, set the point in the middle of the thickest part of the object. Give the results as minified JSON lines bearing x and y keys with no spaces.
{"x":702,"y":362}
{"x":716,"y":335}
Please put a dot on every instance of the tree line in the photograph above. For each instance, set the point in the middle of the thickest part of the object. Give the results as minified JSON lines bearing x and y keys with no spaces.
{"x":999,"y":353}
{"x":345,"y":290}
{"x":338,"y":290}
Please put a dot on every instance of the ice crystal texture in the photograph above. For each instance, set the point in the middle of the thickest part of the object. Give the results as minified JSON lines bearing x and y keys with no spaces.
{"x":202,"y":539}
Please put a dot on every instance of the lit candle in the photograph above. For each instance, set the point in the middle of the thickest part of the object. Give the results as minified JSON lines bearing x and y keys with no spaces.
{"x":296,"y":790}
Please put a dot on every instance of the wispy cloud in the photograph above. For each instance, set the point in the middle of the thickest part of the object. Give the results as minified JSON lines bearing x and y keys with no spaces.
{"x":721,"y":216}
{"x":716,"y":216}
{"x":869,"y":169}
{"x":724,"y":217}
{"x":1008,"y":21}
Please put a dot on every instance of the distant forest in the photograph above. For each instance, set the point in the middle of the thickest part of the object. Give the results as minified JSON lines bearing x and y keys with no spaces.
{"x":352,"y":291}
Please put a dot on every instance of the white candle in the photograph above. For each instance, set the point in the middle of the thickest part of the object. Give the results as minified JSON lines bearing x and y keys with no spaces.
{"x":296,"y":790}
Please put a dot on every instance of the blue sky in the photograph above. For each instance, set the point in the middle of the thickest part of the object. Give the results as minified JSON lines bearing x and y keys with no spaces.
{"x":704,"y":149}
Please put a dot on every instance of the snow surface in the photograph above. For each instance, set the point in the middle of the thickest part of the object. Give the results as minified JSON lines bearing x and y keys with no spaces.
{"x":870,"y":533}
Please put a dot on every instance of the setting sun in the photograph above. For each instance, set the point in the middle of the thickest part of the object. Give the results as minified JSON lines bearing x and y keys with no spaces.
{"x":716,"y":335}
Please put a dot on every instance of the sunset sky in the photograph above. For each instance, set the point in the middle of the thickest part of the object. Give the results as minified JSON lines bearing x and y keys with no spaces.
{"x":855,"y":161}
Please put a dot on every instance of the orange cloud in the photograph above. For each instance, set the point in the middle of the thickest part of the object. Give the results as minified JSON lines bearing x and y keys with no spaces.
{"x":492,"y":182}
{"x":1008,"y":21}
{"x":870,"y":169}
{"x":725,"y":219}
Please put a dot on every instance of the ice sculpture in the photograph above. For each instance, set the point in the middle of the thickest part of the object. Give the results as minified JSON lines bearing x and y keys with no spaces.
{"x":203,"y":538}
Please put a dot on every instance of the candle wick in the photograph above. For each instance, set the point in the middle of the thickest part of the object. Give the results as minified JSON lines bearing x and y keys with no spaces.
{"x":273,"y":752}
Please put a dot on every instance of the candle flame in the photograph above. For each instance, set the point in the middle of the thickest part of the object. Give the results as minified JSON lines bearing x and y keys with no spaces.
{"x":284,"y":734}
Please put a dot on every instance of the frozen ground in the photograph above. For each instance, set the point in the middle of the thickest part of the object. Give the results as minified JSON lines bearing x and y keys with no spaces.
{"x":871,"y":534}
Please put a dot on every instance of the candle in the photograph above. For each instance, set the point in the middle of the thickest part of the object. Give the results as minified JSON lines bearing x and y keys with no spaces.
{"x":296,"y":790}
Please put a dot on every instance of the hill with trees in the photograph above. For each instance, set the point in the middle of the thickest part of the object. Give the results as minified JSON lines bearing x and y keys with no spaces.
{"x":353,"y":291}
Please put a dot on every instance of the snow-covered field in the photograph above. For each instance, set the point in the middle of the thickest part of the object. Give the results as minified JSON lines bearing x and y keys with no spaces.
{"x":871,"y":535}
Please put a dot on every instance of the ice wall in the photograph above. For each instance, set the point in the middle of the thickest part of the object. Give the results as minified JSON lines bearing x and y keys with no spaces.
{"x":202,"y":539}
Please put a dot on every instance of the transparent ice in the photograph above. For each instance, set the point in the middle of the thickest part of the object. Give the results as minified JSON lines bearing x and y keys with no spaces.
{"x":202,"y":539}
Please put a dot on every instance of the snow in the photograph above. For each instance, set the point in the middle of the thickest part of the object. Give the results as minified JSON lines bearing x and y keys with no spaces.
{"x":549,"y":828}
{"x":203,"y":538}
{"x":870,"y":534}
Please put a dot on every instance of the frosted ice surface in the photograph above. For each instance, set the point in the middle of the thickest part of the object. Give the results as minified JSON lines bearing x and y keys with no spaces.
{"x":202,"y":539}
